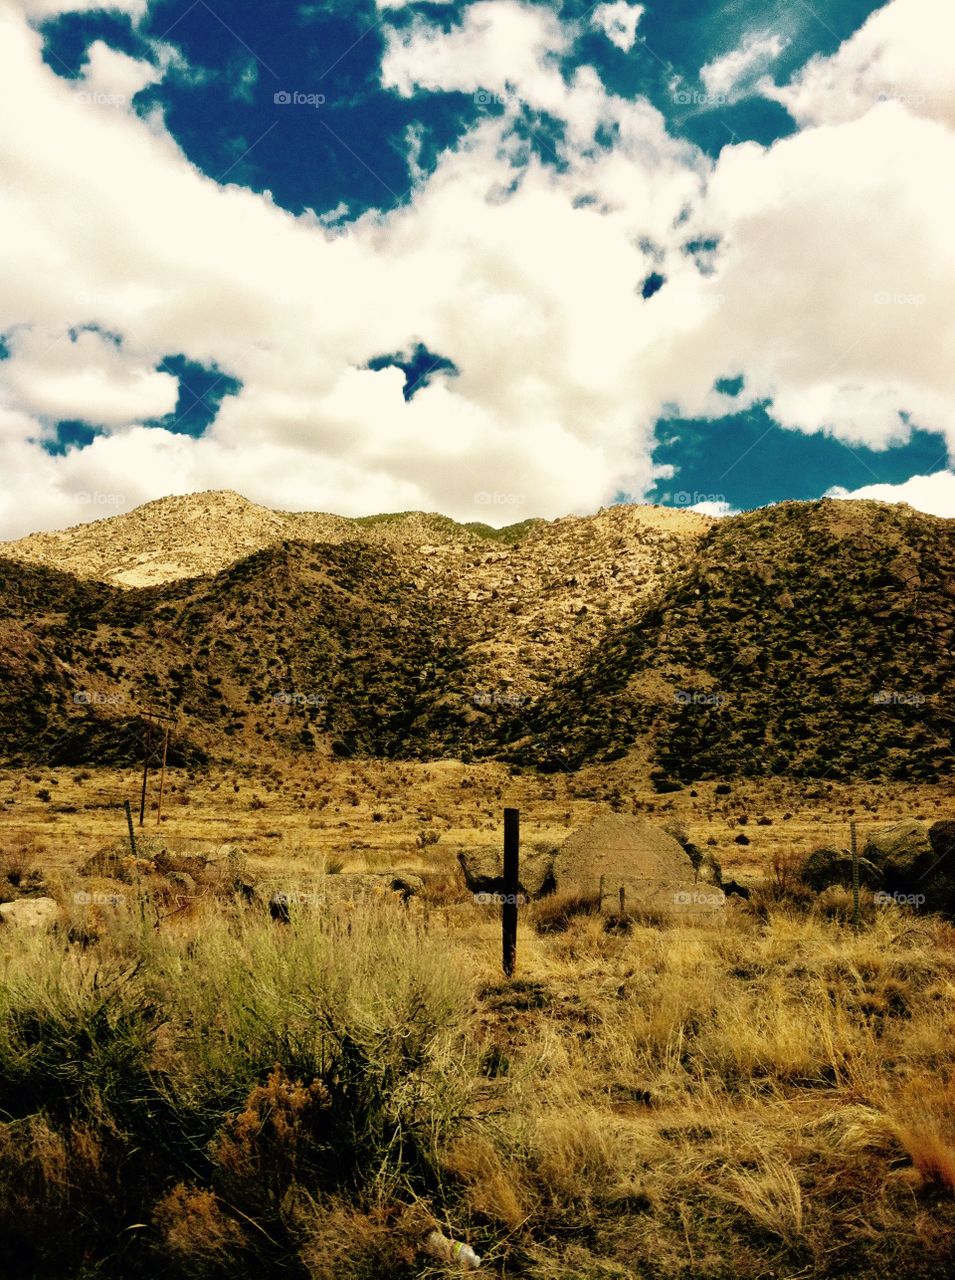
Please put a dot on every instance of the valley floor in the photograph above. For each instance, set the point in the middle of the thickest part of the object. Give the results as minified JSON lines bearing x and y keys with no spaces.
{"x":231,"y":1096}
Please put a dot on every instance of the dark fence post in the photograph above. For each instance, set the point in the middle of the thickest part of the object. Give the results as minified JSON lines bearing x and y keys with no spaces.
{"x":855,"y":875}
{"x":129,"y":823}
{"x":511,"y":889}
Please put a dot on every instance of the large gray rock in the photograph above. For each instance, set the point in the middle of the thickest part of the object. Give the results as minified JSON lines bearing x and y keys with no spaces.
{"x":649,"y":865}
{"x":917,"y":858}
{"x":483,"y":871}
{"x":828,"y":866}
{"x":30,"y":913}
{"x":617,"y":846}
{"x":899,"y":851}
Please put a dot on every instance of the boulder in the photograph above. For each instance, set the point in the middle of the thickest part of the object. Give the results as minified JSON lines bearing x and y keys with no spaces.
{"x":917,"y":858}
{"x":829,"y":866}
{"x":900,"y":851}
{"x":483,"y":871}
{"x":648,"y":864}
{"x":621,"y":847}
{"x":30,"y":913}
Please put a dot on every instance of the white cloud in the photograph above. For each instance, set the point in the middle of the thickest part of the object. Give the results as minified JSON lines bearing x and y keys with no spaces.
{"x":40,"y":10}
{"x":832,"y":281}
{"x":112,"y":78}
{"x":86,"y":377}
{"x":501,"y":47}
{"x":934,"y":494}
{"x":102,"y":221}
{"x":902,"y":54}
{"x":619,"y":22}
{"x":735,"y":75}
{"x":718,"y":509}
{"x":828,"y":294}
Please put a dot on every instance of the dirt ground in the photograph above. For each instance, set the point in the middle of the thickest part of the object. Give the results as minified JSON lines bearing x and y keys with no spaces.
{"x":292,"y":821}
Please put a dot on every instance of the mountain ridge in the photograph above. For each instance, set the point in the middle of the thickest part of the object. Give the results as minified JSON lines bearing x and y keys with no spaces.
{"x":758,"y":643}
{"x":193,"y":535}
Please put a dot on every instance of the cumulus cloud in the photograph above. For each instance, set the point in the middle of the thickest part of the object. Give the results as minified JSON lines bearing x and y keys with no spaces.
{"x":837,"y":267}
{"x":500,"y":46}
{"x":735,"y":75}
{"x":902,"y":54}
{"x":934,"y":493}
{"x":827,"y":292}
{"x":41,"y":10}
{"x":86,"y":376}
{"x":619,"y":22}
{"x":403,"y":4}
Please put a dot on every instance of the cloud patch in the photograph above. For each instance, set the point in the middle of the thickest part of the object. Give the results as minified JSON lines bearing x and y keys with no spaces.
{"x":619,"y":22}
{"x":553,"y":272}
{"x":736,"y":74}
{"x":934,"y":493}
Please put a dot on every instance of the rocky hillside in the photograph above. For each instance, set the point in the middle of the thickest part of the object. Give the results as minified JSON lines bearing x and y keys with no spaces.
{"x":530,"y":599}
{"x":807,"y":638}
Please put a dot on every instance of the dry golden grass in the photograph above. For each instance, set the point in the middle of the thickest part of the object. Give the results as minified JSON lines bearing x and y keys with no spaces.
{"x":776,"y":1096}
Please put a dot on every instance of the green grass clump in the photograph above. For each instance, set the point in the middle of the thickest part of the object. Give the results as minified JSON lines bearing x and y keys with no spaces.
{"x":217,"y":1087}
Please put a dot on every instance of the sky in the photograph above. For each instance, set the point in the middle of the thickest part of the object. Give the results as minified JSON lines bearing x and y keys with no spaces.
{"x":496,"y":259}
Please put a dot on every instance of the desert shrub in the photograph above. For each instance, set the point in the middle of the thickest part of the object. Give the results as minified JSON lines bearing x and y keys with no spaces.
{"x":197,"y":1233}
{"x":359,"y":1003}
{"x":552,"y":914}
{"x":783,"y":886}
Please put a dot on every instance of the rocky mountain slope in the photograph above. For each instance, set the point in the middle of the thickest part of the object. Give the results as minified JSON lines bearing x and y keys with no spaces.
{"x":808,"y":638}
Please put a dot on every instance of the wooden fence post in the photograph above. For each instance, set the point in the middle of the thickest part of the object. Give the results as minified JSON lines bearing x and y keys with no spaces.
{"x":855,"y":875}
{"x":147,"y":752}
{"x":511,"y":889}
{"x":129,"y":823}
{"x":162,"y":775}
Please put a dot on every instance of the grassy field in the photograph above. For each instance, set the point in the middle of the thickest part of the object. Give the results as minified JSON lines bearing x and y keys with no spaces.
{"x":287,"y":820}
{"x":228,"y":1096}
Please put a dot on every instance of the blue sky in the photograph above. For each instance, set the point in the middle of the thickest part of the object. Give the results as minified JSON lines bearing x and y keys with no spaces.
{"x":362,"y":256}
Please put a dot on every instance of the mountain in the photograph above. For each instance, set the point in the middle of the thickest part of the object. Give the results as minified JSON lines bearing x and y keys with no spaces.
{"x":807,"y":638}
